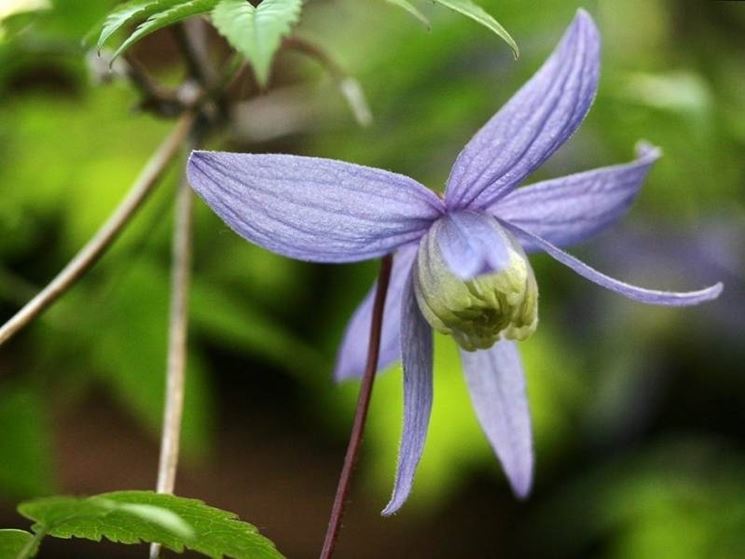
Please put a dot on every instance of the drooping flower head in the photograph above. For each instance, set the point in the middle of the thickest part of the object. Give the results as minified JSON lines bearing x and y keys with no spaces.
{"x":460,"y":262}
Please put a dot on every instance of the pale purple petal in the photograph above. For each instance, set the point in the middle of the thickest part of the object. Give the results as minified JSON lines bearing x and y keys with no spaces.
{"x":649,"y":296}
{"x":472,"y":243}
{"x":313,"y":209}
{"x":570,"y":209}
{"x":352,"y":356}
{"x":416,"y":350}
{"x":533,"y":124}
{"x":497,"y":387}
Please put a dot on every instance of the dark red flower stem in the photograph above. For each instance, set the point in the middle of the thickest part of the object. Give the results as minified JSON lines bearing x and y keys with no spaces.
{"x":360,"y":415}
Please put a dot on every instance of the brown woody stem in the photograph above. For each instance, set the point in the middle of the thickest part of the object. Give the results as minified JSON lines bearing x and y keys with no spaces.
{"x":360,"y":416}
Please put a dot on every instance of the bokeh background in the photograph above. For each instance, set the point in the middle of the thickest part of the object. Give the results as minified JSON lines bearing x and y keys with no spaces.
{"x":639,"y":412}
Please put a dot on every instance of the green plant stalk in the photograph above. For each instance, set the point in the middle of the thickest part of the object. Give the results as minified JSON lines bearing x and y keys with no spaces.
{"x":33,"y":546}
{"x":106,"y":235}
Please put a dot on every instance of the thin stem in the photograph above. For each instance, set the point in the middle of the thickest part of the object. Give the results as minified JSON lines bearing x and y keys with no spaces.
{"x":314,"y":51}
{"x":348,"y":86}
{"x":177,"y":342}
{"x":360,"y":416}
{"x":106,"y":235}
{"x":32,"y":547}
{"x":154,"y":97}
{"x":191,"y":44}
{"x":178,"y":325}
{"x":193,"y":51}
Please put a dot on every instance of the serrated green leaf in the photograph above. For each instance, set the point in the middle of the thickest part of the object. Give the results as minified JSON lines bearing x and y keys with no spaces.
{"x":131,"y":517}
{"x":169,"y":16}
{"x":256,"y":32}
{"x":411,"y":9}
{"x":12,"y":542}
{"x":130,"y":12}
{"x":478,"y":14}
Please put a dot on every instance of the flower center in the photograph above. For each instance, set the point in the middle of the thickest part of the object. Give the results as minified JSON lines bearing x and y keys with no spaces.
{"x":479,"y":311}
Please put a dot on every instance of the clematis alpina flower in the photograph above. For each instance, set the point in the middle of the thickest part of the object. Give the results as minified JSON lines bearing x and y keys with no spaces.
{"x":460,"y":262}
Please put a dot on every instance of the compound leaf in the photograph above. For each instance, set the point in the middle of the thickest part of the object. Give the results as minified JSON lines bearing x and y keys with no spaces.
{"x":131,"y":517}
{"x":478,"y":14}
{"x":412,"y":10}
{"x":160,"y":19}
{"x":13,"y":542}
{"x":256,"y":32}
{"x":129,"y":12}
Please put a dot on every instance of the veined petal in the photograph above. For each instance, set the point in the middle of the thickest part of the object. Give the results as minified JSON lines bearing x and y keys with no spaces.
{"x":313,"y":209}
{"x":352,"y":356}
{"x":416,"y":350}
{"x":497,"y":386}
{"x":533,"y":124}
{"x":649,"y":296}
{"x":570,"y":209}
{"x":472,"y":243}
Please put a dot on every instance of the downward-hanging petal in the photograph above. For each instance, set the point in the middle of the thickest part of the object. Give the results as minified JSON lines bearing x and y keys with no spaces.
{"x":570,"y":209}
{"x":649,"y":296}
{"x":313,"y":209}
{"x":352,"y":356}
{"x":497,"y":386}
{"x":416,"y":351}
{"x":533,"y":124}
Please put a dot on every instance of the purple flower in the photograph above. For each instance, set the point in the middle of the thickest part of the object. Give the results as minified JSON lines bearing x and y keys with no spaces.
{"x":460,"y":264}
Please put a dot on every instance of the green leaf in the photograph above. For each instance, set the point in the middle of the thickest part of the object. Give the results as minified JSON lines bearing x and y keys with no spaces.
{"x":413,"y":10}
{"x":164,"y":18}
{"x":131,"y":517}
{"x":256,"y":32}
{"x":13,"y":542}
{"x":130,"y":12}
{"x":477,"y":13}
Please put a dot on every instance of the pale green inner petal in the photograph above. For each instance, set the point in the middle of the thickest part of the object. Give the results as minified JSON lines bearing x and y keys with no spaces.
{"x":478,"y":312}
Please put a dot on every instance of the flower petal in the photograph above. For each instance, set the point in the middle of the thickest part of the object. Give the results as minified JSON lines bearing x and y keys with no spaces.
{"x":533,"y":124}
{"x":472,"y":243}
{"x":313,"y":209}
{"x":649,"y":296}
{"x":416,"y":349}
{"x":497,"y":387}
{"x":570,"y":209}
{"x":352,"y":356}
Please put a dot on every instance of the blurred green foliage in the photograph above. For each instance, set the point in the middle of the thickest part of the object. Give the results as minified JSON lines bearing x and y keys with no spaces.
{"x":25,"y":444}
{"x":638,"y":421}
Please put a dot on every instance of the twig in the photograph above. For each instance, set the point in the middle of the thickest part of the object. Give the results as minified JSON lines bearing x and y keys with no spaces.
{"x":155,"y":98}
{"x":360,"y":416}
{"x":106,"y":235}
{"x":348,"y":86}
{"x":32,"y":547}
{"x":177,"y":335}
{"x":193,"y":51}
{"x":177,"y":343}
{"x":191,"y":47}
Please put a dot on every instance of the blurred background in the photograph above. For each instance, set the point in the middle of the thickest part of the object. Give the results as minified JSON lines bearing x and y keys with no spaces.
{"x":639,"y":412}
